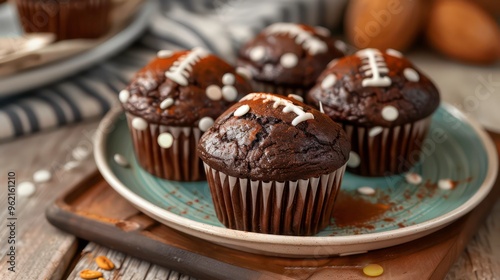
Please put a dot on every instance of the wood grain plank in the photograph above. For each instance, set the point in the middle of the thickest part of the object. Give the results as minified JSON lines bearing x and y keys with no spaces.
{"x":43,"y":252}
{"x":127,"y":268}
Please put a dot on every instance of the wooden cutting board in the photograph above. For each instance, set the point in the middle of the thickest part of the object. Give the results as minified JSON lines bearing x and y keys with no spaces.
{"x":93,"y":211}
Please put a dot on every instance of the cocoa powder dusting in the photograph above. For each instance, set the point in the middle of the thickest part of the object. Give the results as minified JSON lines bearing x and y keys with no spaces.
{"x":357,"y":212}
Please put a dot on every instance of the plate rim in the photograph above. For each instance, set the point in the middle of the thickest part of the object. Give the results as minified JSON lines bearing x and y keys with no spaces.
{"x":15,"y":84}
{"x":252,"y":237}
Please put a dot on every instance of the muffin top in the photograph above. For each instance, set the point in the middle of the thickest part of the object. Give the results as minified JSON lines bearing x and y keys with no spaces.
{"x":274,"y":138}
{"x":289,"y":54}
{"x":182,"y":88}
{"x":374,"y":88}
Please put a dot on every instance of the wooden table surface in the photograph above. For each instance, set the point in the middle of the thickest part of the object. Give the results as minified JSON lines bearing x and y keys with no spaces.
{"x":44,"y":252}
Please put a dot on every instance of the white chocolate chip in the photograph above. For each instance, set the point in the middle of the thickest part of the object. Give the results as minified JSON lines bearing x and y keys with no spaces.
{"x":228,"y":79}
{"x":323,"y":31}
{"x":139,"y":123}
{"x":165,"y":140}
{"x":374,"y":131}
{"x":42,"y":176}
{"x":296,"y":97}
{"x":244,"y":72}
{"x":289,"y":60}
{"x":166,"y":103}
{"x":242,"y":110}
{"x":366,"y":190}
{"x":124,"y":95}
{"x":213,"y":92}
{"x":70,"y":165}
{"x":120,"y":160}
{"x":446,"y":184}
{"x":80,"y":153}
{"x":340,"y":46}
{"x":25,"y":189}
{"x":328,"y":81}
{"x":390,"y":113}
{"x":257,"y":53}
{"x":205,"y":123}
{"x":229,"y":93}
{"x":332,"y":63}
{"x":393,"y":52}
{"x":164,"y":53}
{"x":354,"y":160}
{"x":413,"y":178}
{"x":411,"y":75}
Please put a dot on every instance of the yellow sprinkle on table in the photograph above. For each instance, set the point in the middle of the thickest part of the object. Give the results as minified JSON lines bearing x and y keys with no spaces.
{"x":373,"y":270}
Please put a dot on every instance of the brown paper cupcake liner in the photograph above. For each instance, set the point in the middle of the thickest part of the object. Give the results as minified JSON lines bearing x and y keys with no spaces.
{"x":302,"y":207}
{"x":179,"y":162}
{"x":386,"y":151}
{"x":66,"y":19}
{"x":272,"y":88}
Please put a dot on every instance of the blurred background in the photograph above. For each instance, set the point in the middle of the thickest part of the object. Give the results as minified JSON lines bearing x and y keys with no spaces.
{"x":65,"y":61}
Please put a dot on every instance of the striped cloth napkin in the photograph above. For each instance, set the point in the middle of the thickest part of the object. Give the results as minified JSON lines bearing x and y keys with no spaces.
{"x":217,"y":25}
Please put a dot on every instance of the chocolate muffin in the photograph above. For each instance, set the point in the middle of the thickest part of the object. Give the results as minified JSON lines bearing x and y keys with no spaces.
{"x":384,"y":103}
{"x":171,"y":102}
{"x":287,"y":58}
{"x":68,"y":19}
{"x":274,"y":165}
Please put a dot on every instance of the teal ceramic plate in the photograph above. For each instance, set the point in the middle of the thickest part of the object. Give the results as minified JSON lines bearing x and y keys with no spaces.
{"x":456,"y":149}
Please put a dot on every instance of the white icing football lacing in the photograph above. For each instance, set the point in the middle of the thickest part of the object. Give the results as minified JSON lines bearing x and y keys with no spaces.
{"x":373,"y":66}
{"x":306,"y":39}
{"x":289,"y":106}
{"x":180,"y":70}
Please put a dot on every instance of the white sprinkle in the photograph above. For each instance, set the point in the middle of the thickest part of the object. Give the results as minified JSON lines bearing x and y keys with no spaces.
{"x":341,"y":46}
{"x":42,"y":176}
{"x":25,"y":189}
{"x":446,"y":184}
{"x":205,"y":123}
{"x":165,"y":140}
{"x":323,"y":31}
{"x":332,"y":63}
{"x":366,"y":190}
{"x":413,"y":178}
{"x":124,"y":95}
{"x":164,"y":53}
{"x":139,"y":123}
{"x":390,"y":113}
{"x":229,"y":93}
{"x":80,"y":153}
{"x":70,"y":165}
{"x":393,"y":52}
{"x":242,"y":110}
{"x":120,"y":160}
{"x":228,"y":79}
{"x":328,"y":81}
{"x":244,"y":72}
{"x":374,"y":131}
{"x":289,"y":60}
{"x":213,"y":92}
{"x":302,"y":118}
{"x":354,"y":160}
{"x":411,"y":75}
{"x":321,"y":107}
{"x":257,"y":53}
{"x":296,"y":97}
{"x":166,"y":103}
